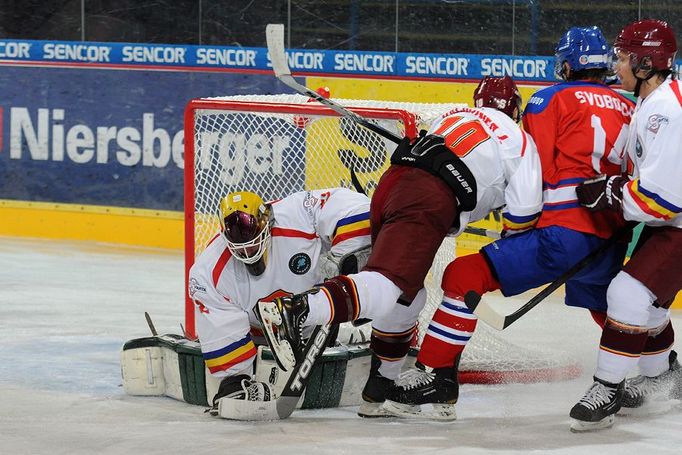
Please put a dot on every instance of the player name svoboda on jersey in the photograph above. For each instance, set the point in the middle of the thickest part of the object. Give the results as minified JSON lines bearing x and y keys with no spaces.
{"x":503,"y":160}
{"x":654,"y":195}
{"x":580,"y":129}
{"x":305,"y":226}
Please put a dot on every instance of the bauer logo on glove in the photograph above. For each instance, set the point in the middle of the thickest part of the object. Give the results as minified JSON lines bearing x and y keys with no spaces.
{"x":602,"y":192}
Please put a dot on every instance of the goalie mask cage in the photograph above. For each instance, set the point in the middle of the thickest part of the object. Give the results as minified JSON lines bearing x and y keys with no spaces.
{"x":275,"y":145}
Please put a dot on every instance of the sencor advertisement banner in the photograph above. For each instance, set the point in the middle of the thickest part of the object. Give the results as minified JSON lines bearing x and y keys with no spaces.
{"x":314,"y":62}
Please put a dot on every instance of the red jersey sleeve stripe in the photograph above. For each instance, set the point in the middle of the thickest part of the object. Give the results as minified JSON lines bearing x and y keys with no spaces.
{"x":251,"y":352}
{"x":349,"y":235}
{"x":286,"y":232}
{"x":675,"y":86}
{"x":220,"y":265}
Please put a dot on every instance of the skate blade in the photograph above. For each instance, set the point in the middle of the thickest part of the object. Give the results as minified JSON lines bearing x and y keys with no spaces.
{"x":373,"y":410}
{"x":580,"y":426}
{"x":281,"y":349}
{"x":437,"y":411}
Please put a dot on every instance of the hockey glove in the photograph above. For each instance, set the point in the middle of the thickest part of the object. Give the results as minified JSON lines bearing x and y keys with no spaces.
{"x":602,"y":192}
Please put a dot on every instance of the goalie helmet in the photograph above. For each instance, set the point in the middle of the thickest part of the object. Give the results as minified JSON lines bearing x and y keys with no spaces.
{"x":583,"y":48}
{"x":244,"y":220}
{"x":650,"y":44}
{"x":499,"y":93}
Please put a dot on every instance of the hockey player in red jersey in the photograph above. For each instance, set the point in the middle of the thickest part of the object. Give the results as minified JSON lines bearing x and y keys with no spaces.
{"x":580,"y":127}
{"x":638,"y":331}
{"x":472,"y":160}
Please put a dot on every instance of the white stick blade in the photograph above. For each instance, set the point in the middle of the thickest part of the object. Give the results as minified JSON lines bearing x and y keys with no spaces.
{"x":274,"y":35}
{"x":234,"y":409}
{"x":488,"y":315}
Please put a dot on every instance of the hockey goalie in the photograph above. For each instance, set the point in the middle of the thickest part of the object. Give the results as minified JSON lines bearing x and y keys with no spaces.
{"x":264,"y":251}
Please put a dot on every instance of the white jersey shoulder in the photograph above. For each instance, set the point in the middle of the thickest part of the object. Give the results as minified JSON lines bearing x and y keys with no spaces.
{"x":504,"y":163}
{"x":654,"y":195}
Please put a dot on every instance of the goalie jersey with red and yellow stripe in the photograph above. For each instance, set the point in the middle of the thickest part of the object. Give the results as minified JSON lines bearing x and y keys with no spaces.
{"x":654,"y":159}
{"x":305,"y":226}
{"x":580,"y":129}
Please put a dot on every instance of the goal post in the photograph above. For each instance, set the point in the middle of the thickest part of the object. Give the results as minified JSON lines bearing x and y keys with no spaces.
{"x":212,"y":140}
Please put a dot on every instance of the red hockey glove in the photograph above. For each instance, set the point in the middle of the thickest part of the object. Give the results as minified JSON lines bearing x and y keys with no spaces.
{"x":602,"y":192}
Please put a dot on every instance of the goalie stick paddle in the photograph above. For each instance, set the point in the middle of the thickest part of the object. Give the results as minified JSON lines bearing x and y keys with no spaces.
{"x":274,"y":34}
{"x":282,"y":406}
{"x":498,"y":321}
{"x":295,"y":386}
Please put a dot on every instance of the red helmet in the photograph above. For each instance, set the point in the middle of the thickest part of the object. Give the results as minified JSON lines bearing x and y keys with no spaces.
{"x":499,"y":93}
{"x":648,"y":38}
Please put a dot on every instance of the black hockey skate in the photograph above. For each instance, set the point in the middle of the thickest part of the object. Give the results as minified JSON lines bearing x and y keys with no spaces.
{"x":424,"y":392}
{"x":597,"y":409}
{"x":282,"y":321}
{"x":640,"y":390}
{"x":374,"y":393}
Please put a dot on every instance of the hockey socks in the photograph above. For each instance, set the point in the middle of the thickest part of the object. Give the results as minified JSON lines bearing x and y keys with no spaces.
{"x":654,"y":360}
{"x":449,"y":331}
{"x":619,"y":350}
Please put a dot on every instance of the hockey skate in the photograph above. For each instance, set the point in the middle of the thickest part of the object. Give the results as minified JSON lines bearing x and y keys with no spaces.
{"x":597,"y":409}
{"x":241,"y":398}
{"x":423,"y":392}
{"x":282,"y":321}
{"x":641,"y":391}
{"x":374,"y":393}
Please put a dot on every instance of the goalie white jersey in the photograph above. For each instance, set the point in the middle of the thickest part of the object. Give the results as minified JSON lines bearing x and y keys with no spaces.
{"x":502,"y":158}
{"x":654,"y":194}
{"x":306,"y":225}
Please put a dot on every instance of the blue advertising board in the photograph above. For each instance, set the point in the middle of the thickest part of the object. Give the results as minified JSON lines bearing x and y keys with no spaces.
{"x":102,"y":136}
{"x":310,"y":62}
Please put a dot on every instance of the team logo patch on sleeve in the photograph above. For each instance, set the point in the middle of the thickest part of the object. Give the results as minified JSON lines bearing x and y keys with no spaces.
{"x":655,"y":121}
{"x":195,"y":287}
{"x":300,"y":263}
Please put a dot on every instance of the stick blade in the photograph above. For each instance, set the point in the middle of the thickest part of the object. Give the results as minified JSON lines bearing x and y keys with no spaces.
{"x":484,"y":311}
{"x":274,"y":35}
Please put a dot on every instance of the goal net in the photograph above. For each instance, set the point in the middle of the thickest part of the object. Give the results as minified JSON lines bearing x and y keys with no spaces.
{"x":275,"y":145}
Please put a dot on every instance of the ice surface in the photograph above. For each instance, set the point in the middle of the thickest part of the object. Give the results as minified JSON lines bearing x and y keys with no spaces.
{"x":66,"y":308}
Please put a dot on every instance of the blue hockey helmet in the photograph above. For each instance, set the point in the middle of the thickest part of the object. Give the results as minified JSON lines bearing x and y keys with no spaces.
{"x":582,"y":48}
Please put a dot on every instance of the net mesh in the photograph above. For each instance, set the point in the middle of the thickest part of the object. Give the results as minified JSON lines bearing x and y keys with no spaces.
{"x":277,"y":145}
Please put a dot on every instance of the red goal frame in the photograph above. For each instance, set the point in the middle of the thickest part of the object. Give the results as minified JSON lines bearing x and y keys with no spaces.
{"x":408,"y":119}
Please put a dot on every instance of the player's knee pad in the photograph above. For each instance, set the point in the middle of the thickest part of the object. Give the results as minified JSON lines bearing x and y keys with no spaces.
{"x":468,"y":273}
{"x":629,"y":300}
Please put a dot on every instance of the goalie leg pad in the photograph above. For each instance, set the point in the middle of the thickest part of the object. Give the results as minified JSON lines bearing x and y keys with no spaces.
{"x":167,"y":365}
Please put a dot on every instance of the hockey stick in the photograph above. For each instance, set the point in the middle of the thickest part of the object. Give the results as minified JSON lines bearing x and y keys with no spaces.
{"x":498,"y":321}
{"x":150,"y":324}
{"x":274,"y":34}
{"x":282,"y":406}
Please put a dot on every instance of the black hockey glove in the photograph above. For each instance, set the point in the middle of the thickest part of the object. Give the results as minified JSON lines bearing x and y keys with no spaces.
{"x":602,"y":192}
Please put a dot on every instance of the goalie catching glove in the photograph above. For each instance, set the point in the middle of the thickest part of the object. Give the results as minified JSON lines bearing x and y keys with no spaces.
{"x":241,"y":398}
{"x":602,"y":192}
